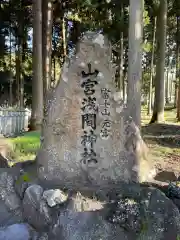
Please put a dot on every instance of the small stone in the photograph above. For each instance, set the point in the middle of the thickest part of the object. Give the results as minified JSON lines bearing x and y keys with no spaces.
{"x":54,"y":197}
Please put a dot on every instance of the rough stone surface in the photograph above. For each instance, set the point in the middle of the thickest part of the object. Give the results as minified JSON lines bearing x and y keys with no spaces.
{"x":176,"y":201}
{"x":8,"y":217}
{"x":54,"y":197}
{"x":173,"y":191}
{"x":86,"y":90}
{"x":86,"y":226}
{"x":15,"y":232}
{"x":43,"y":236}
{"x":9,"y":200}
{"x":35,"y":209}
{"x":157,"y":217}
{"x":127,"y":215}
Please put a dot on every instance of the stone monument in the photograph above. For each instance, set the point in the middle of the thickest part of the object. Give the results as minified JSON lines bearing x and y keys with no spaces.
{"x":88,"y":136}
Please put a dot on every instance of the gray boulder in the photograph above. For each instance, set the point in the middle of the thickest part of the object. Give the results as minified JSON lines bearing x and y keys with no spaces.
{"x":35,"y":210}
{"x":10,"y":204}
{"x":88,"y":225}
{"x":151,"y":215}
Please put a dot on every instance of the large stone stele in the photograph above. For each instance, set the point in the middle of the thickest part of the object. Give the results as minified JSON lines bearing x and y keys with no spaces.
{"x":60,"y":156}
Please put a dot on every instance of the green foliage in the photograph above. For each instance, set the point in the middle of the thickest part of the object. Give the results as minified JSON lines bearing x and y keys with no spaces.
{"x":25,"y":177}
{"x":178,"y":237}
{"x":147,"y":46}
{"x":91,"y":15}
{"x":144,"y":226}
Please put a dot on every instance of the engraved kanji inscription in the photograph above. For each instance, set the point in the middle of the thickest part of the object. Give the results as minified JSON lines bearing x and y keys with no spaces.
{"x":89,"y":104}
{"x":89,"y":73}
{"x":88,"y":156}
{"x":105,"y":93}
{"x":88,"y":139}
{"x":89,"y":120}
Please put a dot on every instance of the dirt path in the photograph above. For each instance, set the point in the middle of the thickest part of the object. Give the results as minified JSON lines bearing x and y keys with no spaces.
{"x":163,"y":141}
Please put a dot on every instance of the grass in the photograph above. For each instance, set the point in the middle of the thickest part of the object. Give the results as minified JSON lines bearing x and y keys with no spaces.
{"x":169,"y":116}
{"x":26,"y":146}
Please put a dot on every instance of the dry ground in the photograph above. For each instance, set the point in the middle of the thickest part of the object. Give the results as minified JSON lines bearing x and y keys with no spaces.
{"x":163,"y":141}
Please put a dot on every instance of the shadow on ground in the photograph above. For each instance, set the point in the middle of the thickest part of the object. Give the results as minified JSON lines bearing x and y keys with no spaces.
{"x":166,"y":135}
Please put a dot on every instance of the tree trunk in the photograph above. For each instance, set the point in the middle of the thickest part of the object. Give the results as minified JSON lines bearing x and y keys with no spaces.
{"x":152,"y":68}
{"x":167,"y":85}
{"x":76,"y":32}
{"x":121,"y":56}
{"x":21,"y":84}
{"x":37,"y":80}
{"x":158,"y":111}
{"x":54,"y":58}
{"x":10,"y":63}
{"x":175,"y":93}
{"x":178,"y":63}
{"x":47,"y":21}
{"x":125,"y":75}
{"x":64,"y":38}
{"x":135,"y":60}
{"x":18,"y":71}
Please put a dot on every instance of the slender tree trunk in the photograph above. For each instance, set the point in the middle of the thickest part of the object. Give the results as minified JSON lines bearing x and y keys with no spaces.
{"x":170,"y":89}
{"x":47,"y":20}
{"x":121,"y":56}
{"x":64,"y":38}
{"x":175,"y":93}
{"x":178,"y":63}
{"x":37,"y":80}
{"x":54,"y":69}
{"x":152,"y":68}
{"x":167,"y":85}
{"x":76,"y":32}
{"x":167,"y":92}
{"x":21,"y":85}
{"x":158,"y":111}
{"x":54,"y":58}
{"x":120,"y":63}
{"x":135,"y":60}
{"x":10,"y":63}
{"x":125,"y":75}
{"x":18,"y":71}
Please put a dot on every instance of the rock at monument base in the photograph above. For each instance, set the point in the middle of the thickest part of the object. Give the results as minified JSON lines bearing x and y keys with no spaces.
{"x":138,"y":212}
{"x":15,"y":232}
{"x":43,"y":236}
{"x":157,"y":217}
{"x":86,"y":226}
{"x":10,"y":204}
{"x":35,"y":209}
{"x":8,"y":217}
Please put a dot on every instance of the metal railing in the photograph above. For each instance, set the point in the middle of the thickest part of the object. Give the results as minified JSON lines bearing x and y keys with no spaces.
{"x":13,"y":122}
